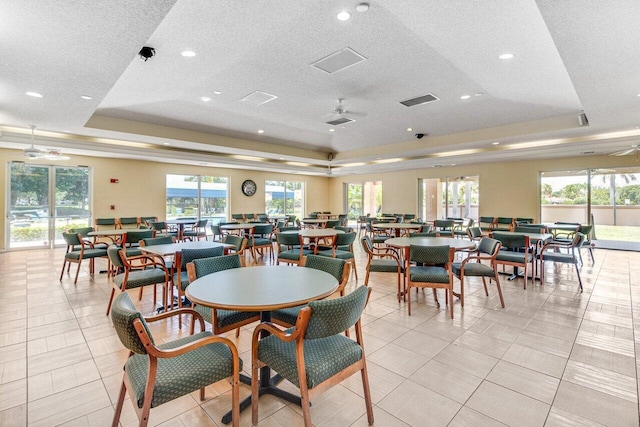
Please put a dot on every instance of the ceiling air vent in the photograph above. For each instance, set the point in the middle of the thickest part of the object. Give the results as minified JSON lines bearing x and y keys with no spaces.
{"x":258,"y":98}
{"x":339,"y":60}
{"x":340,"y":121}
{"x":420,"y":100}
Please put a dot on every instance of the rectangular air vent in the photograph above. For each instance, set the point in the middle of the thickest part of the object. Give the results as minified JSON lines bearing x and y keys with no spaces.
{"x":340,"y":121}
{"x":258,"y":98}
{"x":420,"y":100}
{"x":339,"y":60}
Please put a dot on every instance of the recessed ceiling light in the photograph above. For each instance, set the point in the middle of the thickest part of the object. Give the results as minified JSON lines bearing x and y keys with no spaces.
{"x":506,"y":56}
{"x":332,"y":130}
{"x":478,"y":94}
{"x":453,"y":164}
{"x":188,"y":53}
{"x":495,"y":143}
{"x":465,"y":97}
{"x":639,"y":94}
{"x":409,"y":129}
{"x":343,"y":16}
{"x":362,"y":7}
{"x":281,"y":158}
{"x":260,"y":131}
{"x":34,"y":94}
{"x":217,"y":92}
{"x":205,"y":98}
{"x":85,"y":97}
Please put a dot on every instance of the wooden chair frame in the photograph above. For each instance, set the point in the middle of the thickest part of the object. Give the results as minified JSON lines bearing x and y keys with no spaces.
{"x":448,"y":287}
{"x":491,"y":258}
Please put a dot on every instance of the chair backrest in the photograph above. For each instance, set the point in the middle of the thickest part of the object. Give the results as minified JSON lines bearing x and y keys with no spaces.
{"x":158,"y":225}
{"x":367,"y":245}
{"x":585,"y":229}
{"x":106,"y":222}
{"x":238,"y":217}
{"x":291,"y":218}
{"x":332,"y":223}
{"x":288,"y":239}
{"x":249,"y":216}
{"x":474,"y":233}
{"x":134,"y":236}
{"x":292,"y":228}
{"x":234,"y":240}
{"x":164,"y":240}
{"x":489,"y":246}
{"x":131,"y":220}
{"x":427,"y":234}
{"x":123,"y":313}
{"x":148,"y":219}
{"x":334,"y":316}
{"x":263,"y":217}
{"x":504,"y":220}
{"x":344,"y":239}
{"x":530,"y":228}
{"x":409,"y":217}
{"x":188,"y":255}
{"x":511,"y":241}
{"x":83,"y":231}
{"x":72,"y":239}
{"x":202,"y":223}
{"x":486,"y":220}
{"x":524,"y":221}
{"x":203,"y":266}
{"x":578,"y":239}
{"x":345,"y":229}
{"x":262,"y":229}
{"x":430,"y":255}
{"x":215,"y":229}
{"x":444,"y":224}
{"x":333,"y":266}
{"x":113,"y":252}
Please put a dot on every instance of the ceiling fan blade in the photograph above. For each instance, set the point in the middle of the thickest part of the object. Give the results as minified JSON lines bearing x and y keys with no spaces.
{"x":624,"y":152}
{"x":355,"y":113}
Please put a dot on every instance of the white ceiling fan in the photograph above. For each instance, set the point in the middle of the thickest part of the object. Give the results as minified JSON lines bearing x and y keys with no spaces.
{"x":341,"y":115}
{"x":634,"y":149}
{"x":35,"y":153}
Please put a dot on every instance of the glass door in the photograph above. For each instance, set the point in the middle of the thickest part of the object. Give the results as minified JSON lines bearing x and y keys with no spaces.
{"x":354,"y":201}
{"x":43,"y":202}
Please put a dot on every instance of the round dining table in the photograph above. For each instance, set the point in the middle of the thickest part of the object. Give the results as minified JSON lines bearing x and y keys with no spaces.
{"x":315,"y":234}
{"x":263,"y":289}
{"x":397,"y":227}
{"x":404,"y":243}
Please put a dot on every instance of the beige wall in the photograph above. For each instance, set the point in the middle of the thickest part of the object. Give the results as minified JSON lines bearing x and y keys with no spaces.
{"x":506,"y":189}
{"x":141,"y":187}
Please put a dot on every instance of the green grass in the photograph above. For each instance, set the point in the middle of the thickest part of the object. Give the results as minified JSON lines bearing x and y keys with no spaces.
{"x":621,"y":233}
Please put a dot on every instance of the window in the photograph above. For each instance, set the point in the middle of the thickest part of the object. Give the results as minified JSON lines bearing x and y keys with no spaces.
{"x":451,"y":197}
{"x":194,"y":196}
{"x":363,"y":198}
{"x":284,"y":198}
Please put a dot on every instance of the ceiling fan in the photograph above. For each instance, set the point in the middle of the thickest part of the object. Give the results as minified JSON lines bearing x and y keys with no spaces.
{"x":341,"y":115}
{"x":35,"y":153}
{"x":634,"y":149}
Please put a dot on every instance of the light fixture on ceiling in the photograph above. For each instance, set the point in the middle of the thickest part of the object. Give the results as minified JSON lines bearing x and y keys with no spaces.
{"x":35,"y":153}
{"x":465,"y":97}
{"x":217,"y":92}
{"x":205,"y":98}
{"x":332,"y":130}
{"x":260,"y":131}
{"x":188,"y":53}
{"x":34,"y":94}
{"x":495,"y":143}
{"x":409,"y":129}
{"x":343,"y":16}
{"x":506,"y":56}
{"x":362,"y":7}
{"x":166,"y":143}
{"x":87,"y":97}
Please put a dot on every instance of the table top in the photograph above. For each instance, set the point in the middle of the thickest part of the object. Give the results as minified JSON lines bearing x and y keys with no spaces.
{"x":533,"y":237}
{"x":315,"y":232}
{"x":401,"y":225}
{"x":172,"y":248}
{"x":314,"y":221}
{"x":241,"y":226}
{"x":261,"y":288}
{"x":386,"y":218}
{"x":118,"y":232}
{"x":567,"y":227}
{"x":405,"y":242}
{"x":181,"y":221}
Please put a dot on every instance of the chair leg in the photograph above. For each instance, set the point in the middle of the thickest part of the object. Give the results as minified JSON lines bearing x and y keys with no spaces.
{"x":254,"y":388}
{"x":462,"y":290}
{"x":77,"y":272}
{"x":121,"y":396}
{"x":484,"y":282}
{"x":408,"y":294}
{"x":64,"y":264}
{"x":435,"y":297}
{"x":579,"y":278}
{"x":450,"y":292}
{"x":367,"y":392}
{"x":113,"y":292}
{"x":499,"y":289}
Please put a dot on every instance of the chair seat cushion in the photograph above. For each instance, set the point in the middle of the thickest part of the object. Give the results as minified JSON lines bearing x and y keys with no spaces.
{"x":509,"y":256}
{"x":384,"y":266}
{"x":184,"y":280}
{"x":227,"y":317}
{"x":88,"y":253}
{"x":294,"y":254}
{"x":139,"y":278}
{"x":178,"y":376}
{"x":133,"y":252}
{"x":259,"y":241}
{"x":323,"y":357}
{"x":339,"y":254}
{"x":473,"y":269}
{"x":559,"y":257}
{"x":288,"y":316}
{"x":430,"y":274}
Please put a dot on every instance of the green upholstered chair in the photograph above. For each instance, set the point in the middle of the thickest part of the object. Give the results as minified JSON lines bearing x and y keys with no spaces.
{"x":523,"y":221}
{"x":290,"y":248}
{"x":338,"y":268}
{"x":378,"y":236}
{"x":261,"y":238}
{"x":333,"y":223}
{"x":474,"y":234}
{"x":131,"y":241}
{"x":239,"y":244}
{"x":461,"y":230}
{"x":344,"y":241}
{"x":158,"y":373}
{"x":197,"y":232}
{"x":486,"y":223}
{"x":552,"y":252}
{"x":79,"y":249}
{"x":587,"y":230}
{"x":221,"y":320}
{"x":180,"y":278}
{"x":473,"y":266}
{"x":408,"y":217}
{"x":84,"y":233}
{"x":162,"y":240}
{"x":345,"y":229}
{"x":238,"y":217}
{"x":163,"y":229}
{"x":106,"y":223}
{"x":503,"y":224}
{"x":128,"y":222}
{"x":315,"y":355}
{"x":426,"y":234}
{"x":249,"y":217}
{"x":344,"y":219}
{"x":262,"y":217}
{"x":516,"y":251}
{"x":147,"y":220}
{"x":432,"y":269}
{"x":530,"y":228}
{"x":291,"y":220}
{"x":216,"y":231}
{"x":382,"y":260}
{"x":136,"y":272}
{"x":444,"y":227}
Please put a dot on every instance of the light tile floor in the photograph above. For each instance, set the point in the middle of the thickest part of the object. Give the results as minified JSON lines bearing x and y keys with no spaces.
{"x":552,"y":357}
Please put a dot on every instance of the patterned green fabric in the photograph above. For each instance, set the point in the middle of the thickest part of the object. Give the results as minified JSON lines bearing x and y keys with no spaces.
{"x":366,"y":243}
{"x":88,"y":253}
{"x":475,"y":232}
{"x":114,"y":256}
{"x":288,"y":316}
{"x":138,"y":278}
{"x":334,"y":316}
{"x":106,"y":221}
{"x":517,"y":257}
{"x":289,"y":239}
{"x":129,"y":220}
{"x":71,"y":239}
{"x":211,"y":265}
{"x":384,"y":265}
{"x":263,"y":229}
{"x":433,"y":255}
{"x":164,"y":240}
{"x":430,"y":274}
{"x":487,"y":245}
{"x":326,"y":350}
{"x":475,"y":269}
{"x":333,"y":266}
{"x":511,"y":241}
{"x":189,"y":255}
{"x":83,"y":231}
{"x":134,"y":236}
{"x":236,"y":241}
{"x":338,"y":254}
{"x":323,"y":357}
{"x":123,"y":313}
{"x":181,"y":375}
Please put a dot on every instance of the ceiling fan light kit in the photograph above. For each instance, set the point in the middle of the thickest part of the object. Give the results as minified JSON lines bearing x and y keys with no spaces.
{"x":34,"y":153}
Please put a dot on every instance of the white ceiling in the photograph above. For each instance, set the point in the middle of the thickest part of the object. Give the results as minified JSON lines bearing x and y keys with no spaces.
{"x":571,"y":56}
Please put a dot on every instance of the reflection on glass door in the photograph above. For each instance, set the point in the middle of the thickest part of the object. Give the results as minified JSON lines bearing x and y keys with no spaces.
{"x":354,"y":200}
{"x":363,"y":198}
{"x":460,"y":197}
{"x":35,"y":218}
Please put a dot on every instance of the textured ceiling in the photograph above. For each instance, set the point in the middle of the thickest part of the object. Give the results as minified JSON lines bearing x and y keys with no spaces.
{"x":570,"y":56}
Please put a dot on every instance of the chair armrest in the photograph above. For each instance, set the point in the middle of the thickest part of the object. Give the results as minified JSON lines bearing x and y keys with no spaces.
{"x":151,"y":259}
{"x":272,"y":329}
{"x":177,"y":312}
{"x":155,"y":351}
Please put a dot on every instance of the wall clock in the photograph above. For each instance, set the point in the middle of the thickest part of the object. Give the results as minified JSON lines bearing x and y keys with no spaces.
{"x":249,"y":188}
